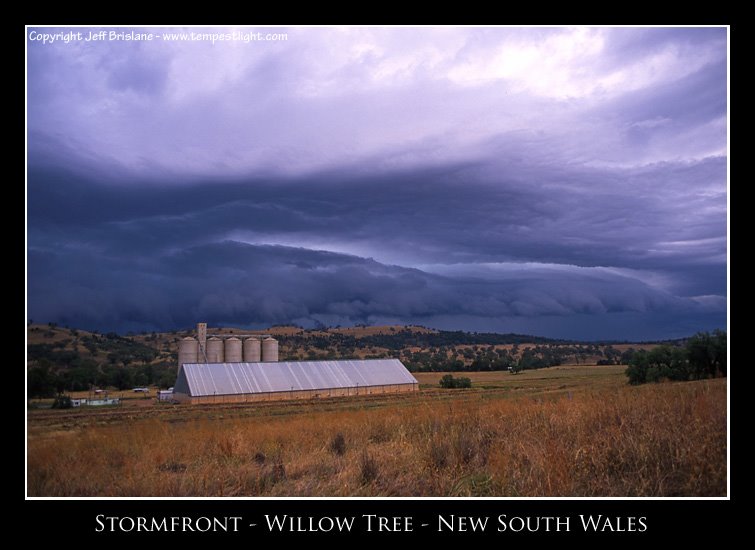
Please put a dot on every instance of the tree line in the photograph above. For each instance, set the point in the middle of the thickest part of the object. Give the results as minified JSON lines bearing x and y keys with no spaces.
{"x":479,"y":358}
{"x":396,"y":340}
{"x":109,"y":361}
{"x":701,"y":356}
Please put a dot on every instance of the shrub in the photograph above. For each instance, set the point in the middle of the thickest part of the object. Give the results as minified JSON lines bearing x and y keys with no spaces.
{"x":368,"y":468}
{"x":338,"y":444}
{"x":463,"y":382}
{"x":448,"y":381}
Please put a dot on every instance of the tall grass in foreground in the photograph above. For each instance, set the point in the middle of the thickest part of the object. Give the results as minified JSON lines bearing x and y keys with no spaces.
{"x":664,"y":440}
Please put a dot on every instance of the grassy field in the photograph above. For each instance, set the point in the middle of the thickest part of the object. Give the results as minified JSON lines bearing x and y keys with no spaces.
{"x":554,"y":379}
{"x":565,"y":431}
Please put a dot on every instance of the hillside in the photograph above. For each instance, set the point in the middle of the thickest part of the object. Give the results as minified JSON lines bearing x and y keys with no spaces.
{"x":61,"y":358}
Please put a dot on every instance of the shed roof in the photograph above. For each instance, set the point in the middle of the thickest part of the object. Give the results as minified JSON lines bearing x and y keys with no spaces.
{"x":200,"y":379}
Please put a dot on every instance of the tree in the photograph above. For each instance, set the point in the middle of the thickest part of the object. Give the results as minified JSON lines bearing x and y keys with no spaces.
{"x":463,"y":382}
{"x":62,"y":402}
{"x":666,"y":363}
{"x":626,"y":356}
{"x":81,"y":375}
{"x":707,"y":354}
{"x":703,"y":356}
{"x":449,"y":382}
{"x":531,"y":361}
{"x":612,"y":354}
{"x":40,"y":381}
{"x":636,"y":371}
{"x":166,"y":380}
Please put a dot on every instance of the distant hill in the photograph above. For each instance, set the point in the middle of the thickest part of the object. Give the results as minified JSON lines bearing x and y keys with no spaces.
{"x":61,"y":358}
{"x":69,"y":359}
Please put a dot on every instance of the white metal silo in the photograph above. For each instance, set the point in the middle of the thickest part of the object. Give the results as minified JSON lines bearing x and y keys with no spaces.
{"x":270,"y":350}
{"x":252,"y":350}
{"x":233,"y":350}
{"x":214,"y":350}
{"x":188,"y":349}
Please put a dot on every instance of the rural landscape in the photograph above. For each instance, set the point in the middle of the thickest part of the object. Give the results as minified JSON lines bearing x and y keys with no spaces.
{"x":377,"y":261}
{"x":576,"y":427}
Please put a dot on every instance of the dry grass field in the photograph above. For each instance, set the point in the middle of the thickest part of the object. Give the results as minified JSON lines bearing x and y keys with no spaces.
{"x":565,"y":431}
{"x":553,"y":379}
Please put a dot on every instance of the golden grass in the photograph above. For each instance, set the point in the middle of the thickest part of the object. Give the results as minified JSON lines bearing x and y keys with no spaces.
{"x":659,"y":440}
{"x":553,"y":378}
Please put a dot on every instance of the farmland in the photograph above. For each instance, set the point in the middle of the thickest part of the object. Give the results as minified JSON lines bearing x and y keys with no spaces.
{"x":562,"y":431}
{"x":62,"y":359}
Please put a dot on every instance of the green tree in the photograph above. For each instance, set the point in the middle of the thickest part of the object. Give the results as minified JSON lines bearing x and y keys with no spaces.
{"x":707,"y":354}
{"x":40,"y":381}
{"x":637,"y":368}
{"x":122,"y":378}
{"x":448,"y":381}
{"x":703,"y":356}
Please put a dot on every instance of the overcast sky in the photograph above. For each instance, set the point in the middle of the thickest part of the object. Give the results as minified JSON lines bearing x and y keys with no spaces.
{"x":564,"y":182}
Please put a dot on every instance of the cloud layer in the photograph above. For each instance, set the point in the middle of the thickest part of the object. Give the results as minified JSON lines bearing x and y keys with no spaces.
{"x":566,"y":182}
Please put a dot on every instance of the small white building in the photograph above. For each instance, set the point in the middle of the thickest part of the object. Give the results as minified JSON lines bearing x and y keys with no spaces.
{"x":165,"y":395}
{"x":81,"y":401}
{"x":105,"y":401}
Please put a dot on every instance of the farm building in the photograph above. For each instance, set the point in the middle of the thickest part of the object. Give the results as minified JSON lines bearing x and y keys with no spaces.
{"x":261,"y":381}
{"x":165,"y":395}
{"x":224,"y":348}
{"x":101,"y":402}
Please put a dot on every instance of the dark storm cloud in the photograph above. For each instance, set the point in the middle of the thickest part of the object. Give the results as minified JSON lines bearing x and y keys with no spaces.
{"x":554,"y":181}
{"x":459,"y":213}
{"x":167,"y":253}
{"x":244,"y":284}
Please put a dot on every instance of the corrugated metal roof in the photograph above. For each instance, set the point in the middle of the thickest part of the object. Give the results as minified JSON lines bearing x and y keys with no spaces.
{"x":198,"y":379}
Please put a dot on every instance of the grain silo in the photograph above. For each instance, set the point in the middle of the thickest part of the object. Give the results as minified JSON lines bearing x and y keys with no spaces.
{"x":233,"y":350}
{"x":215,"y":350}
{"x":218,"y":348}
{"x":252,"y":350}
{"x":188,"y":351}
{"x":269,"y":350}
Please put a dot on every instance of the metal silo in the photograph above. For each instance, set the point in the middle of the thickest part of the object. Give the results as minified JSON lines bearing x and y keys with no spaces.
{"x":233,"y":350}
{"x":214,"y":350}
{"x":270,"y":350}
{"x":188,"y":350}
{"x":252,"y":350}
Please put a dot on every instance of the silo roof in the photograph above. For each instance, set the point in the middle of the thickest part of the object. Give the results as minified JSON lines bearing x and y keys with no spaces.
{"x":203,"y":379}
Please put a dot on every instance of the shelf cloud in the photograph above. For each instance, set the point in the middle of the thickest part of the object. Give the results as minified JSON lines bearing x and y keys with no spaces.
{"x":567,"y":182}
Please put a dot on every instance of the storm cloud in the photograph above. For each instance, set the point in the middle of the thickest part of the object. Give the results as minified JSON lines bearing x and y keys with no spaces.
{"x":564,"y":182}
